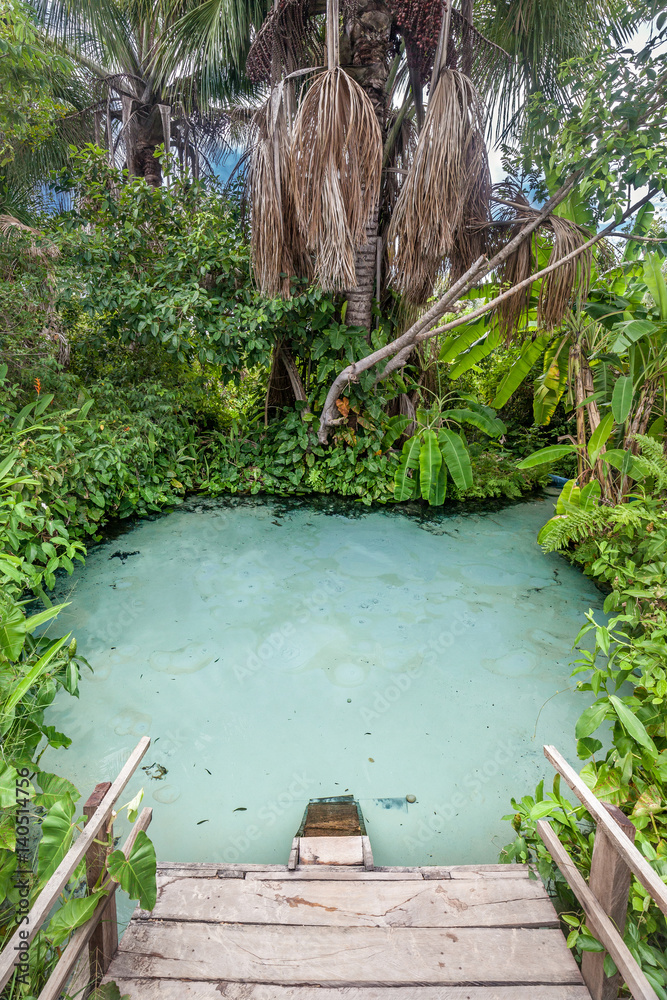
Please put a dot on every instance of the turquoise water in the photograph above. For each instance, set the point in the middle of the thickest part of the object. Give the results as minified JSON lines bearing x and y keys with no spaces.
{"x":278,"y":653}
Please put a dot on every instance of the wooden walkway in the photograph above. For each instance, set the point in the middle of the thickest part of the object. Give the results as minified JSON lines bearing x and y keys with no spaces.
{"x":249,"y":932}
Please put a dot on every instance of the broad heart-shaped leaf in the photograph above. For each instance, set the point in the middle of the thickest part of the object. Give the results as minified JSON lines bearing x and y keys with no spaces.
{"x":621,"y":399}
{"x":457,"y":458}
{"x":57,"y":835}
{"x":655,"y":282}
{"x":600,"y":436}
{"x":546,"y":455}
{"x":430,"y":463}
{"x":520,"y":370}
{"x":53,"y":787}
{"x":405,"y":488}
{"x":136,"y":874}
{"x":591,"y":719}
{"x":71,"y":915}
{"x":12,"y":633}
{"x":631,"y":724}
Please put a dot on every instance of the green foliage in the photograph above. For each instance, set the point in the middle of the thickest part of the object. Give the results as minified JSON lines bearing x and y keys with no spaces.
{"x":623,"y":666}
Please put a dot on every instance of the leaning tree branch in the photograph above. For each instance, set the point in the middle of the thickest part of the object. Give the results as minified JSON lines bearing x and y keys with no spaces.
{"x":473,"y":276}
{"x":492,"y":303}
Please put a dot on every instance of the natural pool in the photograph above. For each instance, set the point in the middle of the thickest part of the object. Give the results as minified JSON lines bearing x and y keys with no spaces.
{"x":277,"y":652}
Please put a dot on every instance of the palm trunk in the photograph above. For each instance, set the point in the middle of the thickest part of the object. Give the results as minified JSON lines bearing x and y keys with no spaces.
{"x":365,"y":56}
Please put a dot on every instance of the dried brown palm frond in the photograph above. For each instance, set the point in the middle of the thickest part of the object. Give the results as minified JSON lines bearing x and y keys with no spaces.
{"x":45,"y":249}
{"x":336,"y":168}
{"x":448,"y":173}
{"x":278,"y":249}
{"x":471,"y":239}
{"x":562,"y":287}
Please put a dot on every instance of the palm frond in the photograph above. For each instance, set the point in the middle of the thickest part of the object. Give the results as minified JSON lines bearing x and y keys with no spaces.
{"x":336,"y":169}
{"x":447,"y":178}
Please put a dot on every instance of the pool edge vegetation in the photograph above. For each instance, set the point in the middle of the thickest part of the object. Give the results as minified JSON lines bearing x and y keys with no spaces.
{"x":445,"y":340}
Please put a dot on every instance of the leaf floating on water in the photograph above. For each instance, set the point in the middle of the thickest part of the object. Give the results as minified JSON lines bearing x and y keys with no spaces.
{"x":371,"y":760}
{"x":240,"y":809}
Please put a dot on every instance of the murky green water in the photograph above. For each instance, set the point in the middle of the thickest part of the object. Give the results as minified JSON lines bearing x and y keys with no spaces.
{"x":277,"y":654}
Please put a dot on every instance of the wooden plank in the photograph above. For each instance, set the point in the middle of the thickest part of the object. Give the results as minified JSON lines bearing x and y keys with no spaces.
{"x":344,"y":955}
{"x":637,"y":863}
{"x":61,"y":876}
{"x":331,"y":851}
{"x":169,"y":989}
{"x":609,"y":882}
{"x":447,"y":903}
{"x":368,"y":853}
{"x":82,"y":935}
{"x":104,"y":938}
{"x":596,"y":919}
{"x":337,"y":874}
{"x":484,"y":871}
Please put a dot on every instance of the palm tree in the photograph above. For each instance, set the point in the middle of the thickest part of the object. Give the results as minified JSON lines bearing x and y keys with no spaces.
{"x":407,"y":56}
{"x":144,"y":93}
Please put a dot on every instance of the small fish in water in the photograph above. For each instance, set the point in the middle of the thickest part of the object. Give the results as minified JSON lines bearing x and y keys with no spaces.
{"x":155,"y":771}
{"x":207,"y":770}
{"x":202,"y":821}
{"x":240,"y":809}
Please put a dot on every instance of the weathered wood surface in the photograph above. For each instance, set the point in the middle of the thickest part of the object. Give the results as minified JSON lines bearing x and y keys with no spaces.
{"x":55,"y":885}
{"x":336,"y":873}
{"x":636,"y":861}
{"x":103,"y":943}
{"x":331,"y":851}
{"x":350,"y":956}
{"x":358,"y":903}
{"x":210,"y":870}
{"x":609,"y":882}
{"x":596,"y":919}
{"x":169,"y":989}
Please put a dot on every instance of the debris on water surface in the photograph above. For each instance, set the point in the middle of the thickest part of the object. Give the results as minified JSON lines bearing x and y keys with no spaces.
{"x":155,"y":771}
{"x":410,"y":798}
{"x":371,"y":760}
{"x":123,"y":555}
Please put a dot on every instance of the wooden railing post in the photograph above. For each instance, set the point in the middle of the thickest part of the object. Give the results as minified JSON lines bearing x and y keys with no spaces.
{"x":610,"y":882}
{"x":104,"y":942}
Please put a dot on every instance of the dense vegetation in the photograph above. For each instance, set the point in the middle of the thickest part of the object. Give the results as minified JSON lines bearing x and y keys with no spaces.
{"x":161,"y":336}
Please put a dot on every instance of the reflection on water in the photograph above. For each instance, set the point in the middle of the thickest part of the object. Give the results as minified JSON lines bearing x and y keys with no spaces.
{"x":277,"y":653}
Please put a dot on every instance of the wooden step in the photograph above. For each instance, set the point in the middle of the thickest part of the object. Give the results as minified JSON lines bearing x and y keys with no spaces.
{"x":170,"y":989}
{"x":344,"y":956}
{"x":331,"y":851}
{"x":357,"y":903}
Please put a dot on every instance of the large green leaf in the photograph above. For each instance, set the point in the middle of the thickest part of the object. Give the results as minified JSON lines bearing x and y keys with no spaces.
{"x":108,"y":991}
{"x":430,"y":464}
{"x":549,"y":387}
{"x":7,"y":786}
{"x":32,"y":676}
{"x":530,"y":352}
{"x":405,"y":487}
{"x":631,"y":724}
{"x":136,"y":874}
{"x":621,"y":399}
{"x":461,"y":342}
{"x":475,"y":354}
{"x":546,"y":455}
{"x":57,"y":835}
{"x":600,"y":436}
{"x":486,"y":422}
{"x":457,"y":458}
{"x":395,"y":427}
{"x":655,"y":282}
{"x":591,"y":719}
{"x":71,"y":915}
{"x":53,"y":787}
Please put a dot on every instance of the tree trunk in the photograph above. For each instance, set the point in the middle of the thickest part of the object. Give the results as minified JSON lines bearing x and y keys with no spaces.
{"x":365,"y":54}
{"x":360,"y":299}
{"x":144,"y":133}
